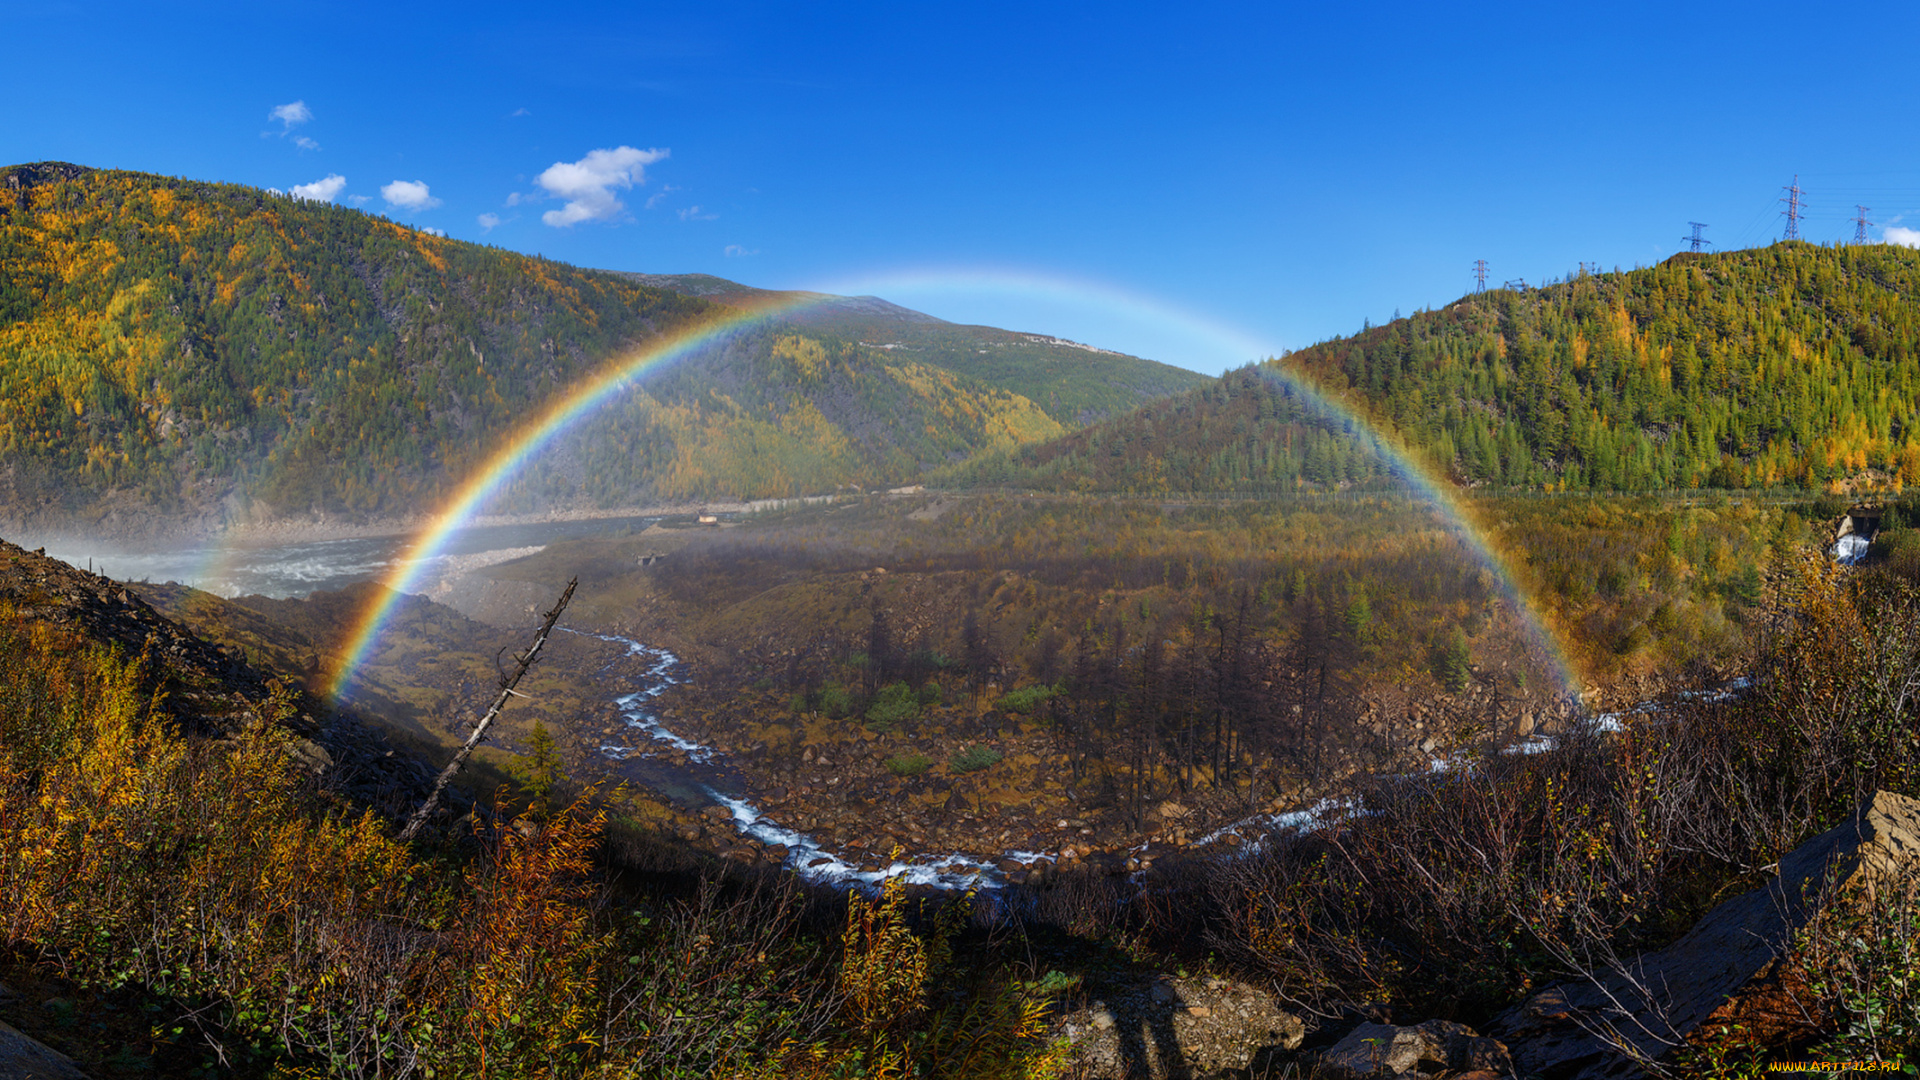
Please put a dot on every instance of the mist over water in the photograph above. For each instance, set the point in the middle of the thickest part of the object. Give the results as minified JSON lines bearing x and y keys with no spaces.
{"x":288,"y":570}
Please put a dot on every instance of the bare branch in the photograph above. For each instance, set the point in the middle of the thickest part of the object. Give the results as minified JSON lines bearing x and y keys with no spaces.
{"x":507,"y":683}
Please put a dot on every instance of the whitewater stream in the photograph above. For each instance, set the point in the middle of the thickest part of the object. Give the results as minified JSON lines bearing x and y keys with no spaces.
{"x":642,"y":758}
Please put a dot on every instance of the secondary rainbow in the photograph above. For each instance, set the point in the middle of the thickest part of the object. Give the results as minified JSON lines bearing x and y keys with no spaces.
{"x":618,"y":376}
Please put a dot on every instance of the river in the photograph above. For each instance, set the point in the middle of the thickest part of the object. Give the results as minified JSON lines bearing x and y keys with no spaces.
{"x":296,"y":569}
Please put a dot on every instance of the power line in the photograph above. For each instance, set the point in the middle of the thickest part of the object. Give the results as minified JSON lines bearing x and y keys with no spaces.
{"x":1479,"y":275}
{"x":1795,"y":209}
{"x":1696,"y":239}
{"x":1861,"y":224}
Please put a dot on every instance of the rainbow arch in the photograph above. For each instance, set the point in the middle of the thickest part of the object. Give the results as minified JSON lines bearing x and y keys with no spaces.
{"x":532,"y":437}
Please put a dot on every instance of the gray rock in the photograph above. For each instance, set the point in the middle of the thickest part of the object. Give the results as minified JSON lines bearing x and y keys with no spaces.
{"x":24,"y":1058}
{"x":1176,"y":1028}
{"x":1656,"y":999}
{"x":311,"y":754}
{"x":1375,"y":1050}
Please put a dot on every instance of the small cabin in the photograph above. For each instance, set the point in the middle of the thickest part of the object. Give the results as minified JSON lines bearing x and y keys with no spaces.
{"x":708,"y":518}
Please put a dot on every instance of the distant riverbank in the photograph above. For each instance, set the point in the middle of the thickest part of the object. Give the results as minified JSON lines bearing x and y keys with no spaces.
{"x":144,"y":531}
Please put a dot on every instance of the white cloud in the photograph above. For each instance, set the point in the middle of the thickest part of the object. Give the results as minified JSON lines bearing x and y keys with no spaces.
{"x":359,"y":200}
{"x":588,"y":184}
{"x":291,"y":115}
{"x":514,"y":198}
{"x":735,"y":251}
{"x":431,"y":231}
{"x":305,"y":143}
{"x":323,"y":190}
{"x":692,"y":213}
{"x":654,"y":199}
{"x":1904,"y":237}
{"x":521,"y":111}
{"x":408,"y":195}
{"x":488,"y":222}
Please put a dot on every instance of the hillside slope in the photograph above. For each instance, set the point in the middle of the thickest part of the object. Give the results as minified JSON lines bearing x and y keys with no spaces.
{"x":1074,"y":383}
{"x":1787,"y":366}
{"x":181,"y":355}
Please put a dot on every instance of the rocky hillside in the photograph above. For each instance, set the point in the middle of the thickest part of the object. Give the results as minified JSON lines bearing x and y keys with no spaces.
{"x":209,"y":688}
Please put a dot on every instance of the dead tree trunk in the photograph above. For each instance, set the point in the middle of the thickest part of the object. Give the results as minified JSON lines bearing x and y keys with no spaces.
{"x":507,"y":684}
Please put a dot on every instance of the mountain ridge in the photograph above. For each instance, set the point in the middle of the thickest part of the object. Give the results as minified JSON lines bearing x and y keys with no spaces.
{"x":176,"y":354}
{"x":1791,"y":366}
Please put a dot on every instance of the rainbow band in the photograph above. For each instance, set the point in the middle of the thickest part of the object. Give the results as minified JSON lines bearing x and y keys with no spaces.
{"x":533,"y":437}
{"x":1429,"y":483}
{"x":526,"y":444}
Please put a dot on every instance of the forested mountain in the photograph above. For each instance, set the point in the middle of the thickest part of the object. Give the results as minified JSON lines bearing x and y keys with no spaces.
{"x":1075,"y":383}
{"x":1793,"y":365}
{"x":174,"y":351}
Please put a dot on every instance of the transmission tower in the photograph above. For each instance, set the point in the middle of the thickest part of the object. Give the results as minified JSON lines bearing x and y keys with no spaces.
{"x":1479,"y":275}
{"x":1696,"y":239}
{"x":1861,"y":224}
{"x":1796,"y":209}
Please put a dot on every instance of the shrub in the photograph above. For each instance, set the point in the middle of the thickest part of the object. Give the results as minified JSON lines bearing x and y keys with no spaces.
{"x":892,"y":706}
{"x":1027,"y":698}
{"x":835,"y":700}
{"x":909,"y":764}
{"x":974,"y":758}
{"x":1453,"y":661}
{"x":931,"y":694}
{"x":1858,"y":957}
{"x":282,"y":926}
{"x":538,"y":772}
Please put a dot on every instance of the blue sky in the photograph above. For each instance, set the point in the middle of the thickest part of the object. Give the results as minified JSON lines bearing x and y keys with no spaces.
{"x":1198,"y":183}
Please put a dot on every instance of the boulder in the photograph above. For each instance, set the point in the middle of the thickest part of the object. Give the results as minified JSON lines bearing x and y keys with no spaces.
{"x":1436,"y":1046}
{"x":1654,"y":1001}
{"x":310,"y":754}
{"x":24,"y":1058}
{"x":1173,"y":1028}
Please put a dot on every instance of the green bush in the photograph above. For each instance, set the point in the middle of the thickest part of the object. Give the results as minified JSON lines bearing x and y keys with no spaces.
{"x":1453,"y":661}
{"x":909,"y":764}
{"x":892,"y":706}
{"x":931,"y":694}
{"x":973,"y":759}
{"x":1857,"y":957}
{"x":1026,"y":699}
{"x":835,"y":701}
